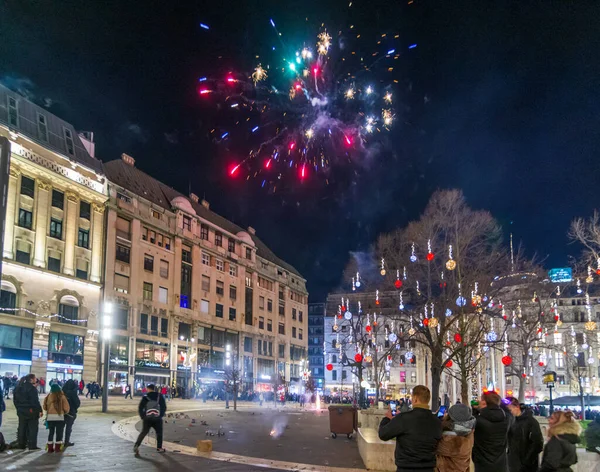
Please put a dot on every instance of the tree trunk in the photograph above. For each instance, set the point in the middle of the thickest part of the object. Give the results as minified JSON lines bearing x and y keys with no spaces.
{"x":235,"y":394}
{"x":522,"y":384}
{"x":464,"y":389}
{"x":436,"y":378}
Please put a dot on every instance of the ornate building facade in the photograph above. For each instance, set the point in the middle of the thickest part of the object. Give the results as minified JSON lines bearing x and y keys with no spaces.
{"x":52,"y":270}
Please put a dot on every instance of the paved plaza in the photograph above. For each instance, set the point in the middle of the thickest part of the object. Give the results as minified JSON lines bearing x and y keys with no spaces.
{"x":103,"y":442}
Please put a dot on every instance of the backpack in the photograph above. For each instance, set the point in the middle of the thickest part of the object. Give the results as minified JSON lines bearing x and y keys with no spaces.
{"x":153,"y":408}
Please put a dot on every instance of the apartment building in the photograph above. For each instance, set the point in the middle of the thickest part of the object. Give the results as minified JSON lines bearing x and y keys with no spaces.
{"x":316,"y":338}
{"x":193,"y":295}
{"x":52,"y":266}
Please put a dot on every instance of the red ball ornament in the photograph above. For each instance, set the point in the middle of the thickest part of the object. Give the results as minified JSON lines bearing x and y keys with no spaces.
{"x":426,"y":321}
{"x":449,"y":363}
{"x":556,"y":317}
{"x":358,"y":357}
{"x":376,"y":302}
{"x":430,"y":256}
{"x":541,"y":364}
{"x":457,"y":338}
{"x":507,"y":360}
{"x":339,"y":317}
{"x":343,"y":308}
{"x":398,"y":283}
{"x":597,"y":271}
{"x":329,"y":367}
{"x":368,"y":328}
{"x":524,"y":376}
{"x":389,"y":358}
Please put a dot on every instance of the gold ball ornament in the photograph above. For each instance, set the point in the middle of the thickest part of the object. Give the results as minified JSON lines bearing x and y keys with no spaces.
{"x":589,"y":279}
{"x":590,"y":326}
{"x":368,"y":359}
{"x":335,"y":327}
{"x":411,"y":331}
{"x":433,"y":322}
{"x":559,"y":323}
{"x":451,"y":264}
{"x":382,"y":272}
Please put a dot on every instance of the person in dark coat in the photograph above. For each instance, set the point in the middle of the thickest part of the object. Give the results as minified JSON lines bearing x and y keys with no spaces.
{"x":2,"y":405}
{"x":560,"y":452}
{"x":71,"y":389}
{"x":525,"y":439}
{"x":417,"y":433}
{"x":491,"y":435}
{"x":592,"y":436}
{"x":152,"y":408}
{"x":29,"y":411}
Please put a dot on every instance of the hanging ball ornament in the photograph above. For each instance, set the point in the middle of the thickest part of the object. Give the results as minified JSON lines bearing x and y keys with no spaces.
{"x":413,"y":258}
{"x":368,"y":328}
{"x":591,"y":360}
{"x":492,"y":336}
{"x":430,"y":256}
{"x":401,"y":306}
{"x":376,"y":302}
{"x":541,"y":364}
{"x":358,"y":357}
{"x":335,"y":327}
{"x":457,"y":338}
{"x":597,"y":271}
{"x":368,"y":359}
{"x":449,"y":363}
{"x":507,"y":360}
{"x":398,"y":283}
{"x":451,"y":264}
{"x":411,"y":331}
{"x":348,"y":315}
{"x":426,"y":321}
{"x":329,"y":367}
{"x":461,"y":301}
{"x":589,"y":279}
{"x":393,"y":337}
{"x":409,"y":355}
{"x":524,"y":375}
{"x":448,"y":312}
{"x":433,"y":322}
{"x":382,"y":272}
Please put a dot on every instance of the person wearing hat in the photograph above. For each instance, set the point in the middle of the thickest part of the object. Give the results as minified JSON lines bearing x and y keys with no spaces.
{"x":525,"y":439}
{"x":454,"y":450}
{"x":56,"y":406}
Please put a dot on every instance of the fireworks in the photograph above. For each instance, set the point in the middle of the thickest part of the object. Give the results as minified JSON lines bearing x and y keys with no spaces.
{"x":318,"y":107}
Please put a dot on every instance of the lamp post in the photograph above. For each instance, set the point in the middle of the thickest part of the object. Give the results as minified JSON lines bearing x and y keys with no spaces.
{"x":106,"y":324}
{"x":227,"y":368}
{"x":187,"y":362}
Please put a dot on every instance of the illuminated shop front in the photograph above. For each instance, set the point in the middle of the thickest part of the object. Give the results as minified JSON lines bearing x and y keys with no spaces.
{"x":117,"y":374}
{"x":151,"y":364}
{"x":65,"y":356}
{"x":15,"y":350}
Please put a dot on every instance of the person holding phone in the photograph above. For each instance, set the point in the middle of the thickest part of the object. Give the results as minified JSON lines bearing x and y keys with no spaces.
{"x":417,"y":433}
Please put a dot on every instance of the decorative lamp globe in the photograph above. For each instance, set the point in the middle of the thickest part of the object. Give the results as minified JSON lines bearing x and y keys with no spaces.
{"x":398,"y":283}
{"x":507,"y":360}
{"x":590,"y":326}
{"x":430,"y":256}
{"x":433,"y":322}
{"x":591,"y":360}
{"x":451,"y":264}
{"x":393,"y":337}
{"x":382,"y":272}
{"x":348,"y":315}
{"x":411,"y":331}
{"x":358,"y":357}
{"x":413,"y":258}
{"x":357,"y":284}
{"x":329,"y":367}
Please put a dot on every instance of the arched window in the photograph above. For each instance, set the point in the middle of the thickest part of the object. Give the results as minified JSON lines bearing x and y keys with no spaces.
{"x":8,"y":297}
{"x":334,"y":359}
{"x":68,"y":309}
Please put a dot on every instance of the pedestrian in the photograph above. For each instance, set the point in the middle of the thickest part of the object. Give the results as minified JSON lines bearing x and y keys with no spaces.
{"x":6,"y":382}
{"x":128,"y":392}
{"x":29,"y":411}
{"x":491,"y":435}
{"x":2,"y":405}
{"x":525,"y":439}
{"x":56,"y":406}
{"x":70,"y":390}
{"x":152,"y":408}
{"x":42,"y":385}
{"x":560,"y":452}
{"x":417,"y":433}
{"x":592,"y":436}
{"x":454,"y":450}
{"x":81,"y":386}
{"x":261,"y":399}
{"x":89,"y":389}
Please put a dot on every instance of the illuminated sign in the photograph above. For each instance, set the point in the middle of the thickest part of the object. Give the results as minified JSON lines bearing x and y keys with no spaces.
{"x":564,"y":274}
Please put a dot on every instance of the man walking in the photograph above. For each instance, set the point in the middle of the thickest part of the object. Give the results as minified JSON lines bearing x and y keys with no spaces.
{"x":491,"y":435}
{"x":29,"y":411}
{"x":417,"y":433}
{"x":152,"y":408}
{"x":525,"y":439}
{"x":128,"y":392}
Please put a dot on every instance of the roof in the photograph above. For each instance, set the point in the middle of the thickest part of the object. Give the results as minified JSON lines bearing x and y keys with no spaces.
{"x":142,"y":184}
{"x":27,"y":125}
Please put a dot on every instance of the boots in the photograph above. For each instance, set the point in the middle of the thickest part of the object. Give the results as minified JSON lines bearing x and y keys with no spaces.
{"x":58,"y":447}
{"x":50,"y":447}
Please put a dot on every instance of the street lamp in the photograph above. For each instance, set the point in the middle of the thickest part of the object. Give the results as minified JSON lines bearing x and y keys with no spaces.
{"x":230,"y":375}
{"x":106,"y":333}
{"x":187,"y":361}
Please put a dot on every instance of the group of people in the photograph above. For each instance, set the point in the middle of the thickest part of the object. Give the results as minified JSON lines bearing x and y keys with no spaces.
{"x":93,"y":390}
{"x":498,"y":436}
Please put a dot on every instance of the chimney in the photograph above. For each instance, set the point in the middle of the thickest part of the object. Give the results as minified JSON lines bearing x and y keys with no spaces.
{"x":251,"y":230}
{"x":127,"y":159}
{"x":194,"y":197}
{"x":205,"y":204}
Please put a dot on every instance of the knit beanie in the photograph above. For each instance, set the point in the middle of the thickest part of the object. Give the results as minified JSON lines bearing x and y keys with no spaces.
{"x":55,"y":388}
{"x":460,"y":413}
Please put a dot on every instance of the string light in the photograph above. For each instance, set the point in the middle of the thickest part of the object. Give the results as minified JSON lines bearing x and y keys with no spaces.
{"x":38,"y":315}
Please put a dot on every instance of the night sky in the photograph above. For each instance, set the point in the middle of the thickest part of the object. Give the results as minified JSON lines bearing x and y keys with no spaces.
{"x":499,"y":99}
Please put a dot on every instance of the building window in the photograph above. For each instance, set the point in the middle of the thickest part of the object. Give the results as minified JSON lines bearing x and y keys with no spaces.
{"x":559,"y":360}
{"x":58,"y":199}
{"x":232,"y":314}
{"x":344,"y":374}
{"x":124,"y":198}
{"x":206,"y":283}
{"x":220,"y":288}
{"x":53,"y":264}
{"x":13,"y":112}
{"x":83,"y":238}
{"x":248,"y":253}
{"x":27,"y":186}
{"x":261,"y":303}
{"x":261,"y":322}
{"x":144,"y":323}
{"x":148,"y":263}
{"x":232,"y":270}
{"x":163,"y":295}
{"x":121,"y":318}
{"x":155,"y":214}
{"x":247,"y":344}
{"x":42,"y":127}
{"x":300,"y":317}
{"x":164,"y":269}
{"x":81,"y":269}
{"x":121,"y":283}
{"x":233,"y":292}
{"x":69,"y":141}
{"x":25,"y":219}
{"x":334,"y":375}
{"x":270,"y":305}
{"x":8,"y":298}
{"x":23,"y":254}
{"x":185,"y":287}
{"x":68,"y":309}
{"x":293,"y":313}
{"x":55,"y":228}
{"x":205,"y":259}
{"x":300,"y":335}
{"x":218,"y":310}
{"x":123,"y":228}
{"x":231,"y":245}
{"x":204,"y":306}
{"x":293,"y":331}
{"x":282,"y":351}
{"x":147,"y":291}
{"x":270,"y":325}
{"x":218,"y":239}
{"x":281,"y":328}
{"x":220,"y":265}
{"x":187,"y":223}
{"x":186,"y":254}
{"x":123,"y":253}
{"x":84,"y":210}
{"x":204,"y":232}
{"x":281,"y":308}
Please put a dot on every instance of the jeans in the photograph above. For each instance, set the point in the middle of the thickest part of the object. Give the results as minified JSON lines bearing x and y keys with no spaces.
{"x":157,"y":424}
{"x":27,"y":431}
{"x":58,"y":427}
{"x":69,"y":420}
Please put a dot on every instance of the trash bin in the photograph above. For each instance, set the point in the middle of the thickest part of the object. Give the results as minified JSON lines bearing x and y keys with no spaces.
{"x":342,"y":420}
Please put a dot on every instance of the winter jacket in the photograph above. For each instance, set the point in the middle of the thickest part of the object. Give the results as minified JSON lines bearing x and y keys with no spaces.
{"x":56,"y":406}
{"x":525,"y":442}
{"x":2,"y":405}
{"x":70,"y":389}
{"x":560,"y":452}
{"x":491,"y":432}
{"x":26,"y":400}
{"x":417,"y":433}
{"x":152,"y":396}
{"x":592,"y":435}
{"x":454,"y":450}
